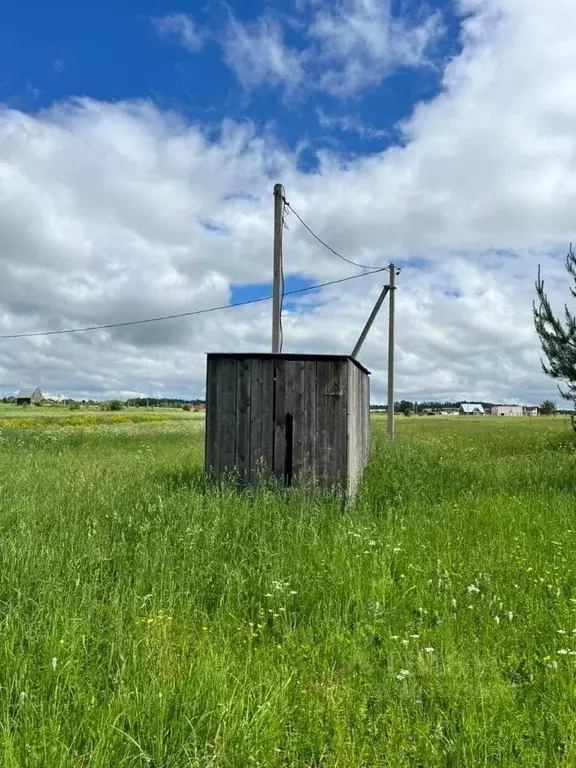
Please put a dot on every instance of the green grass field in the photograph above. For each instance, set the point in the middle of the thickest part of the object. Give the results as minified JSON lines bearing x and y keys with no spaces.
{"x":146,"y":620}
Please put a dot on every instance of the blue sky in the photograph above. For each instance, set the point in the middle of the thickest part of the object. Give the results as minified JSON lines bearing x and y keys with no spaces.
{"x":114,"y":51}
{"x":140,"y":142}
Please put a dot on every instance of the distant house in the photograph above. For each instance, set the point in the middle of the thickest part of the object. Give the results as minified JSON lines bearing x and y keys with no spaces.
{"x":471,"y":409}
{"x":530,"y":410}
{"x":29,"y":395}
{"x":507,"y":410}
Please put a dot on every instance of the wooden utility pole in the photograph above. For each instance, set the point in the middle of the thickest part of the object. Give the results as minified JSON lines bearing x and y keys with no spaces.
{"x":277,"y":277}
{"x":391,"y":352}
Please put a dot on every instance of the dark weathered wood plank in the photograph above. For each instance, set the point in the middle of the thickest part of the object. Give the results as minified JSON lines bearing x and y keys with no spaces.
{"x":279,"y":420}
{"x":256,"y":408}
{"x":323,"y":424}
{"x":211,"y":444}
{"x":295,"y":407}
{"x":227,"y":420}
{"x":267,"y":436}
{"x":339,"y":398}
{"x":243,"y":413}
{"x":309,"y":428}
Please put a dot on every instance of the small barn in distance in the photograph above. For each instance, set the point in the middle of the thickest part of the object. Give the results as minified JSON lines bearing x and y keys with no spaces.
{"x":29,"y":395}
{"x":294,"y":419}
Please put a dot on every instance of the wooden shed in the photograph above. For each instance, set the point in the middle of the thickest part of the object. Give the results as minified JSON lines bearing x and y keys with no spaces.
{"x":300,"y":419}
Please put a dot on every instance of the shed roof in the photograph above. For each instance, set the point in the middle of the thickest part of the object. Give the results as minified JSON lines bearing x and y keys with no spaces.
{"x":290,"y":356}
{"x":26,"y":392}
{"x":471,"y":407}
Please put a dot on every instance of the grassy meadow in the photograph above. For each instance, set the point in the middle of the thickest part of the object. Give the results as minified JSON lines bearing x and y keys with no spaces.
{"x":149,"y":621}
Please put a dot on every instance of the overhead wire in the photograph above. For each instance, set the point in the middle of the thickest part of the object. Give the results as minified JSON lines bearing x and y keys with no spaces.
{"x":322,"y":242}
{"x":192,"y":313}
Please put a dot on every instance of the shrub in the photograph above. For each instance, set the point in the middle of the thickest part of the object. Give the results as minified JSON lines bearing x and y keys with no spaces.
{"x":115,"y":405}
{"x":38,"y":403}
{"x":74,"y":406}
{"x":186,"y":407}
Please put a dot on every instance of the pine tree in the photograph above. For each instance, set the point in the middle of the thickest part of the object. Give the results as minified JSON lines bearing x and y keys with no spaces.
{"x":557,"y":335}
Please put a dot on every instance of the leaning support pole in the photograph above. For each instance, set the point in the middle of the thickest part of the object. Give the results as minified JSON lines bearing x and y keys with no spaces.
{"x":369,"y":322}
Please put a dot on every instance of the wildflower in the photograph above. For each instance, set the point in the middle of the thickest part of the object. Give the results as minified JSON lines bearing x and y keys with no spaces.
{"x":402,"y":675}
{"x":415,"y":637}
{"x":267,"y":594}
{"x":562,"y":652}
{"x":293,"y":592}
{"x":429,"y":649}
{"x":404,"y":642}
{"x":54,"y":663}
{"x":397,"y":549}
{"x":510,"y":615}
{"x":472,"y":589}
{"x":454,"y":603}
{"x":497,"y":619}
{"x":561,"y":631}
{"x":394,"y":637}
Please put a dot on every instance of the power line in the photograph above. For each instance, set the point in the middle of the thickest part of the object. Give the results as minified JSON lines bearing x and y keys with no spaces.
{"x":189,"y":314}
{"x":329,"y":247}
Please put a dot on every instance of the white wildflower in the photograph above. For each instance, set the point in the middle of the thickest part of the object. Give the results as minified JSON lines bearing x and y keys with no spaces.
{"x":54,"y":663}
{"x":510,"y":615}
{"x":454,"y":603}
{"x":415,"y":637}
{"x":563,"y":652}
{"x":561,"y":631}
{"x":404,"y":642}
{"x":402,"y":674}
{"x":473,"y":589}
{"x":429,"y":649}
{"x":394,"y":637}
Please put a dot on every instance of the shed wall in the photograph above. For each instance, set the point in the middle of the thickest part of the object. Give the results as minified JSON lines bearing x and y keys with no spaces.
{"x":288,"y":418}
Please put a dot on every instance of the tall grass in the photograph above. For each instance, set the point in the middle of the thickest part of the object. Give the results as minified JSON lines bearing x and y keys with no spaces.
{"x":147,"y":620}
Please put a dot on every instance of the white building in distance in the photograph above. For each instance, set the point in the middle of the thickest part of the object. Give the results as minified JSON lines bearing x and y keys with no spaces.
{"x":507,"y":410}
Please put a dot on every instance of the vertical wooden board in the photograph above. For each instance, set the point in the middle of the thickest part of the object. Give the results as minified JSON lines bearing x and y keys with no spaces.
{"x":309,"y":422}
{"x":331,"y":423}
{"x":267,"y":415}
{"x":256,"y":409}
{"x":323,"y":446}
{"x":211,"y":452}
{"x":295,"y":407}
{"x":352,"y":437}
{"x":243,"y":414}
{"x":339,"y":411}
{"x":279,"y":419}
{"x":227,"y":408}
{"x":366,"y":416}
